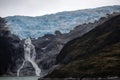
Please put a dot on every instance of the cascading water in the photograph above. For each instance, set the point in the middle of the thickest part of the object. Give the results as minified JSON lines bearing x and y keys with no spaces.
{"x":29,"y":56}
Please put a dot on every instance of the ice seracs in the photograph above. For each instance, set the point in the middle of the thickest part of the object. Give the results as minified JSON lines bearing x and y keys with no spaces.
{"x":34,"y":27}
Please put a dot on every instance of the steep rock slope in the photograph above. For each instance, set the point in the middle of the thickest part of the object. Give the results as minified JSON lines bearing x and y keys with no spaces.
{"x":49,"y":45}
{"x":9,"y":47}
{"x":97,"y":53}
{"x":4,"y":55}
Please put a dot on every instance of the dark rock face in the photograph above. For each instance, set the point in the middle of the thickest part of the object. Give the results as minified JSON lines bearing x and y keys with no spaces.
{"x":4,"y":55}
{"x":95,"y":54}
{"x":9,"y":47}
{"x":17,"y":53}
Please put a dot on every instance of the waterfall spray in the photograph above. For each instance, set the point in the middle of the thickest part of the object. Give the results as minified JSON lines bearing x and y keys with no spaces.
{"x":29,"y":56}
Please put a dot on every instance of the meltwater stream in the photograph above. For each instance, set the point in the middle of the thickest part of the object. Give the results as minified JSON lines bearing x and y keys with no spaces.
{"x":29,"y":56}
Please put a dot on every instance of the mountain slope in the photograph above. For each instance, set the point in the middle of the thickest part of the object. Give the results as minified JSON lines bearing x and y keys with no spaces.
{"x":47,"y":48}
{"x":97,"y":53}
{"x":34,"y":27}
{"x":9,"y":47}
{"x":49,"y":44}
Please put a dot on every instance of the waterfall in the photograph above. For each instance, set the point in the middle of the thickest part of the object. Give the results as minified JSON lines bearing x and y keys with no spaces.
{"x":29,"y":56}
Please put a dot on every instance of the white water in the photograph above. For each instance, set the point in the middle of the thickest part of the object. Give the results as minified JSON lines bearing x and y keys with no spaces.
{"x":29,"y":56}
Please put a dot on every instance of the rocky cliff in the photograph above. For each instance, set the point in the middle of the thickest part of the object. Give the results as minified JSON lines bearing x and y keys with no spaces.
{"x":9,"y":46}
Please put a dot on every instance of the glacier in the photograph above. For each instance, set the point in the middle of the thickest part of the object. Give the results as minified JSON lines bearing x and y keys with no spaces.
{"x":35,"y":27}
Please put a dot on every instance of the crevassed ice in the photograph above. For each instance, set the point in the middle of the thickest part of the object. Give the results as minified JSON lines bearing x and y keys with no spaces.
{"x":34,"y":27}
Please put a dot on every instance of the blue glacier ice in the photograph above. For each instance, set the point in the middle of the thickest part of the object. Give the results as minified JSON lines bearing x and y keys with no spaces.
{"x":34,"y":27}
